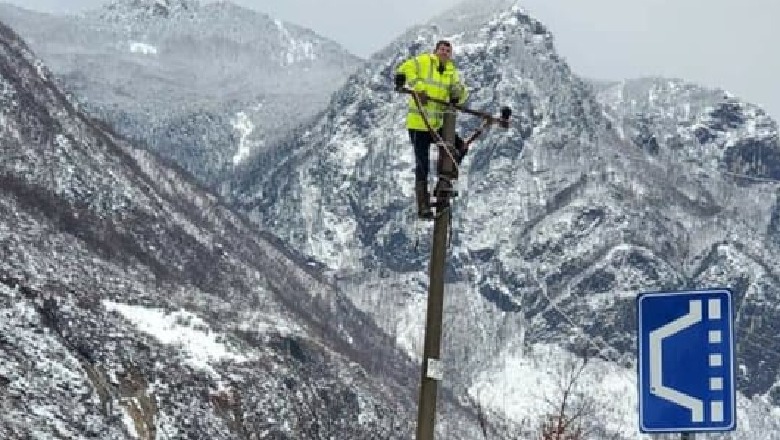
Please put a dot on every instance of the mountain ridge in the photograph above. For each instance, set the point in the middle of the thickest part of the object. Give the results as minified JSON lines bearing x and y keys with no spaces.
{"x":203,"y":84}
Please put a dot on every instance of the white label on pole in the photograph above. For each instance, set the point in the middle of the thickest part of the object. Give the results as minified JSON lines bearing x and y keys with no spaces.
{"x":435,"y":369}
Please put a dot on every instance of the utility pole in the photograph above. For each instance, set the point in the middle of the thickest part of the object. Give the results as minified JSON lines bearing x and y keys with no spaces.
{"x":447,"y":170}
{"x":432,"y":366}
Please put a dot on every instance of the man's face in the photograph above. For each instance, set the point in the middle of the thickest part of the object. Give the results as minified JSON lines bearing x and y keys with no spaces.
{"x":444,"y":52}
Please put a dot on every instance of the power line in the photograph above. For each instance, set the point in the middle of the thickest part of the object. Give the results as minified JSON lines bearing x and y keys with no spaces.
{"x":754,"y":178}
{"x":604,"y":347}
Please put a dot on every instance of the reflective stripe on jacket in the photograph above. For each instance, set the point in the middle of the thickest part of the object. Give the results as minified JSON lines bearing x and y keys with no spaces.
{"x":422,"y":74}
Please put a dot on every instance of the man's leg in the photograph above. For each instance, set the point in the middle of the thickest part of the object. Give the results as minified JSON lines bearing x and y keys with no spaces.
{"x":421,"y":140}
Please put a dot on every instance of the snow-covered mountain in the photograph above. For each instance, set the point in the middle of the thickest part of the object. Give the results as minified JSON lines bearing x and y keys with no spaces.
{"x":592,"y":196}
{"x":135,"y":305}
{"x":683,"y":122}
{"x":201,"y":84}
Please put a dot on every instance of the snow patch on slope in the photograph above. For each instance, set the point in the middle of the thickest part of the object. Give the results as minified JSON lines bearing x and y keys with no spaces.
{"x":182,"y":328}
{"x":142,"y":48}
{"x":297,"y":50}
{"x":243,"y":124}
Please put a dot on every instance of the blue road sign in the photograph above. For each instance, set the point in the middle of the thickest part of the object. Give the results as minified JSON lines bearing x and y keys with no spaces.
{"x":686,"y":361}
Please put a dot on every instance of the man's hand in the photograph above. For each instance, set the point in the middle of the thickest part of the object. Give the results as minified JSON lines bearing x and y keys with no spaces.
{"x":422,"y":97}
{"x":400,"y":81}
{"x":456,"y":91}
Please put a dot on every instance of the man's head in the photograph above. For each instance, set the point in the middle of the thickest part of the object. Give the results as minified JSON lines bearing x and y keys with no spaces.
{"x":443,"y":50}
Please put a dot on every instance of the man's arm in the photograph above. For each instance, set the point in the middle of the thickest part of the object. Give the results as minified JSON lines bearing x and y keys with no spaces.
{"x":411,"y":69}
{"x":460,"y":88}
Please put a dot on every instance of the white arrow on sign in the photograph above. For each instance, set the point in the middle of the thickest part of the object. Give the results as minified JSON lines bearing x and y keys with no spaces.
{"x":657,"y":387}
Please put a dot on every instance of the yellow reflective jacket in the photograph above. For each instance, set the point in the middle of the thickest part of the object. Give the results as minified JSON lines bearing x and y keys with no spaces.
{"x":422,"y":74}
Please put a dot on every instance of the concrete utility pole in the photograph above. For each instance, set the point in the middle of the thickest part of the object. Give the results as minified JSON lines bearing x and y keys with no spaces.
{"x":432,"y":367}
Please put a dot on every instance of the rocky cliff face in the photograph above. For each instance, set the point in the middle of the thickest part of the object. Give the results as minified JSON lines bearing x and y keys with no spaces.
{"x":683,"y":122}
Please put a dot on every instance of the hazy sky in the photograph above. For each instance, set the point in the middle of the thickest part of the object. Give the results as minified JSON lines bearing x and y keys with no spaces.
{"x":732,"y":44}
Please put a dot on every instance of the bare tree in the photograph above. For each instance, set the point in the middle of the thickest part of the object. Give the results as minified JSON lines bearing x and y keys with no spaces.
{"x":570,"y":409}
{"x":573,"y":412}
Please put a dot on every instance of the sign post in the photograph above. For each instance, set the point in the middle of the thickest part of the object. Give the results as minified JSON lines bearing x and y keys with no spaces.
{"x":686,"y":362}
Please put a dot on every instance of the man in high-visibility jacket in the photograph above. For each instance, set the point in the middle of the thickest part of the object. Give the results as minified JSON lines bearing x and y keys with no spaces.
{"x":430,"y":75}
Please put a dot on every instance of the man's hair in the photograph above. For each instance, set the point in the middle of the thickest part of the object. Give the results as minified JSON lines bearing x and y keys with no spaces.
{"x":441,"y":43}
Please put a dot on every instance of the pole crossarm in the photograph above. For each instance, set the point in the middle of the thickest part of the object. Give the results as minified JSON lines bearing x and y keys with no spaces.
{"x":502,"y":120}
